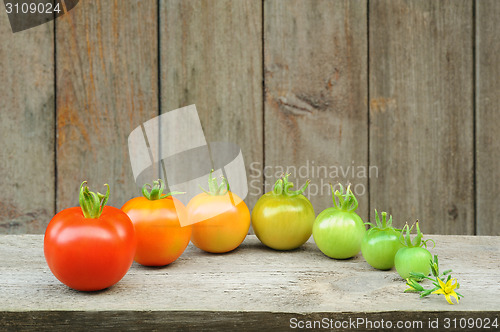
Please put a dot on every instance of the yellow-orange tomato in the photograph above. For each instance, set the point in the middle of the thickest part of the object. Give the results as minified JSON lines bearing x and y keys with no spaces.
{"x":160,"y":237}
{"x":220,"y":222}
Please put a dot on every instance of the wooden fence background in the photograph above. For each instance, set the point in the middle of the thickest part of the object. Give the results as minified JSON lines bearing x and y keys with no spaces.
{"x":408,"y":88}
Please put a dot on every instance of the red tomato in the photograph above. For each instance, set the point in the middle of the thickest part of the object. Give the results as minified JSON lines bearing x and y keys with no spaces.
{"x":160,"y":237}
{"x":90,"y":253}
{"x":220,"y":218}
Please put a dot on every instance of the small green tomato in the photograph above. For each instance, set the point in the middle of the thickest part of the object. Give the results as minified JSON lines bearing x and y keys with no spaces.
{"x":381,"y":243}
{"x":413,"y":257}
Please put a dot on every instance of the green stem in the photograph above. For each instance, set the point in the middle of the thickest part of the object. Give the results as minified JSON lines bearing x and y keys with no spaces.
{"x":282,"y":187}
{"x":427,"y":277}
{"x":278,"y":186}
{"x":417,"y":241}
{"x":433,"y":243}
{"x":155,"y":192}
{"x":377,"y":219}
{"x":384,"y":224}
{"x":92,"y":203}
{"x":346,"y":201}
{"x":405,"y":239}
{"x":214,"y":188}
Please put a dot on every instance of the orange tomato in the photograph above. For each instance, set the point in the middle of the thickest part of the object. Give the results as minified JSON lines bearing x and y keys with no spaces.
{"x":220,"y":220}
{"x":160,"y":237}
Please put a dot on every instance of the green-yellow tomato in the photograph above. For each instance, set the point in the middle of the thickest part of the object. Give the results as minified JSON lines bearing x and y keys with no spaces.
{"x":283,"y":219}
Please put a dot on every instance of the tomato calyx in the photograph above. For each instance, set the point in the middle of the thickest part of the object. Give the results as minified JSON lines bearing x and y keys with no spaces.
{"x":92,"y":203}
{"x":155,"y":192}
{"x":344,"y":201}
{"x":382,"y":225}
{"x":214,"y":188}
{"x":282,"y":187}
{"x":417,"y":241}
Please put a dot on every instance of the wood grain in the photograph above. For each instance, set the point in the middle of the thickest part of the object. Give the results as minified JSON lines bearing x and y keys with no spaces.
{"x":316,"y":90}
{"x":211,"y":56}
{"x":487,"y":120}
{"x":106,"y":86}
{"x":253,"y":278}
{"x":26,"y":128}
{"x":421,"y":113}
{"x":228,"y":321}
{"x":421,"y":99}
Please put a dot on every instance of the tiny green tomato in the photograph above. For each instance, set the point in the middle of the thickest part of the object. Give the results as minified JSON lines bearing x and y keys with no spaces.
{"x":413,"y":257}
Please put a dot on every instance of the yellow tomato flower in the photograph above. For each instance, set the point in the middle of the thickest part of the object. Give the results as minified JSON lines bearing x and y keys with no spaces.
{"x":447,"y":289}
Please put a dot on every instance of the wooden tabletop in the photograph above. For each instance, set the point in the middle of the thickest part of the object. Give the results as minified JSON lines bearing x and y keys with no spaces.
{"x":252,"y":287}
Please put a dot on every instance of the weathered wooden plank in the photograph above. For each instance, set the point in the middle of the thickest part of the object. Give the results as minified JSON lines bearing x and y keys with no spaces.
{"x":316,"y":90}
{"x":107,"y":85}
{"x":211,"y":56}
{"x":252,"y":278}
{"x":242,"y":321}
{"x":26,"y":128}
{"x":487,"y":120}
{"x":421,"y":113}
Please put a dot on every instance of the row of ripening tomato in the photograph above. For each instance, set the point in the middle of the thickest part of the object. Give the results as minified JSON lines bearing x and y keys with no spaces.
{"x":92,"y":247}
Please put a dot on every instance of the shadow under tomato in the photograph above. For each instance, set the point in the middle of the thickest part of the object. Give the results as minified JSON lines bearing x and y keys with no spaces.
{"x":138,"y":266}
{"x":91,"y":293}
{"x":263,"y":248}
{"x":201,"y":252}
{"x":349,"y":259}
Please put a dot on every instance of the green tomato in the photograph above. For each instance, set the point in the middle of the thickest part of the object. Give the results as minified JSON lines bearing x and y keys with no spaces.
{"x":338,"y":231}
{"x":413,"y":259}
{"x":338,"y":234}
{"x":381,"y":243}
{"x":283,"y":219}
{"x":379,"y":247}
